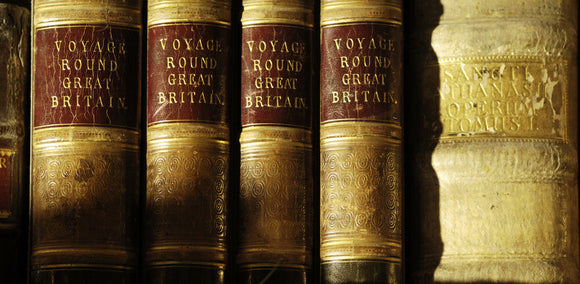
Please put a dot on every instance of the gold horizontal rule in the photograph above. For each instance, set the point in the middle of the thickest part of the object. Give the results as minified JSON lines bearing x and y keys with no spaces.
{"x":44,"y":140}
{"x":293,"y":12}
{"x":71,"y":12}
{"x":179,"y":11}
{"x":188,"y":130}
{"x":335,"y":12}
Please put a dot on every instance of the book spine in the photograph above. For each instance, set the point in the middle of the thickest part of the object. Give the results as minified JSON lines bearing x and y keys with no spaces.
{"x":85,"y":141}
{"x":506,"y":161}
{"x":276,"y":183}
{"x":14,"y":46}
{"x":187,"y":141}
{"x":361,"y":141}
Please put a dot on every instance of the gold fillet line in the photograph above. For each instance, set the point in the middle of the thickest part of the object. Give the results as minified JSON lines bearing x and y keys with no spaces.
{"x":289,"y":125}
{"x":87,"y":125}
{"x":325,"y":260}
{"x":180,"y":242}
{"x":82,"y":265}
{"x":392,"y":24}
{"x":258,"y":146}
{"x":213,"y":145}
{"x":277,"y":131}
{"x":279,"y":248}
{"x":154,"y":4}
{"x":76,"y":131}
{"x":167,"y":142}
{"x":367,"y":7}
{"x":358,"y":21}
{"x":187,"y":22}
{"x":62,"y":248}
{"x":392,"y":260}
{"x":41,"y":145}
{"x":186,"y":264}
{"x":187,"y":130}
{"x":338,"y":250}
{"x":187,"y":121}
{"x":85,"y":135}
{"x":351,"y":120}
{"x":220,"y":262}
{"x":189,"y":124}
{"x":88,"y":146}
{"x":258,"y":266}
{"x":358,"y":243}
{"x":190,"y":5}
{"x":357,"y":122}
{"x":78,"y":5}
{"x":297,"y":253}
{"x":64,"y":24}
{"x":172,"y":134}
{"x":277,"y":22}
{"x":356,"y":140}
{"x":219,"y":248}
{"x":349,"y":125}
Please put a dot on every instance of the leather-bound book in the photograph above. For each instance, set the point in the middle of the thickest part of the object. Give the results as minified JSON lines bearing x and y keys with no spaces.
{"x":361,"y":141}
{"x":506,"y":162}
{"x":85,"y":141}
{"x":187,"y":141}
{"x":14,"y":63}
{"x":276,"y":176}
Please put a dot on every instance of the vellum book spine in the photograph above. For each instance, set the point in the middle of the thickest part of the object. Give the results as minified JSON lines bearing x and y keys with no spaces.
{"x":187,"y":141}
{"x":506,"y":160}
{"x":85,"y":141}
{"x":276,"y":183}
{"x":14,"y":61}
{"x":361,"y":141}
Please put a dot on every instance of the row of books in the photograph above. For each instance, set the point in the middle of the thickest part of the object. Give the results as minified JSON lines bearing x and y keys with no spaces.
{"x":259,"y":141}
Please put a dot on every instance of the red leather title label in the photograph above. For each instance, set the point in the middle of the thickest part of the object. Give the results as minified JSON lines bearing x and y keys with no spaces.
{"x":5,"y":159}
{"x":187,"y":73}
{"x":86,"y":75}
{"x":276,"y":75}
{"x":361,"y":72}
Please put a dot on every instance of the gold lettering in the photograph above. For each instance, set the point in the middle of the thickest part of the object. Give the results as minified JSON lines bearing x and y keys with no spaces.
{"x":64,"y":64}
{"x":161,"y":98}
{"x":58,"y":43}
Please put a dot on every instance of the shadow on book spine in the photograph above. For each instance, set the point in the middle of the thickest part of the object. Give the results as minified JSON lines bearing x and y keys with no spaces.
{"x":14,"y":59}
{"x":85,"y":141}
{"x":276,"y":177}
{"x":361,"y":190}
{"x":188,"y":147}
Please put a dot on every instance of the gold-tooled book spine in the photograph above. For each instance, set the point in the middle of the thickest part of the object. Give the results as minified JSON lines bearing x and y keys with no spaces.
{"x":14,"y":59}
{"x":505,"y":164}
{"x":361,"y":142}
{"x":276,"y":177}
{"x":85,"y":141}
{"x":187,"y":141}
